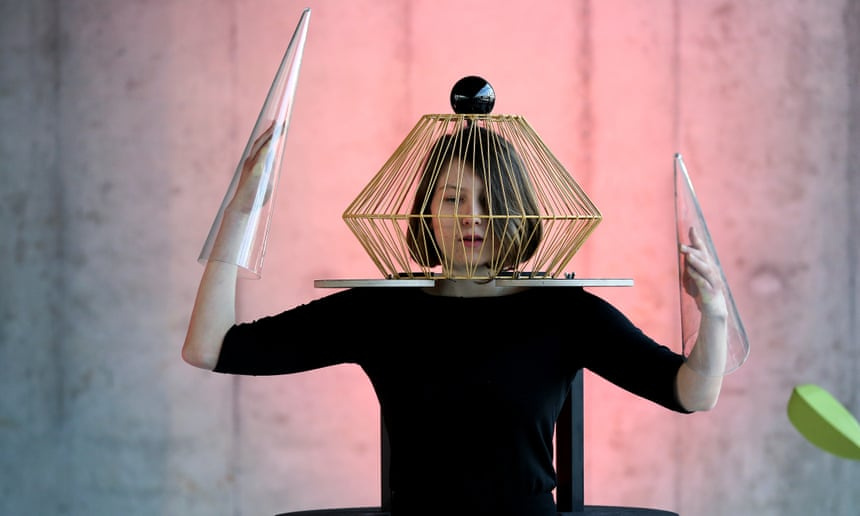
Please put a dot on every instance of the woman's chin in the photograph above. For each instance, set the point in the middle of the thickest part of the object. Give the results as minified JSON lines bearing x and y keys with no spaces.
{"x":470,"y":270}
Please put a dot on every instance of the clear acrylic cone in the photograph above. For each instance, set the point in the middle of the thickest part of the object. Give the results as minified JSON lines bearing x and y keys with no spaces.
{"x":261,"y":163}
{"x":688,"y":214}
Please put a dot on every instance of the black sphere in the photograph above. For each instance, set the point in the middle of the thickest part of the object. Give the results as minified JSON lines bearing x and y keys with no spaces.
{"x":472,"y":95}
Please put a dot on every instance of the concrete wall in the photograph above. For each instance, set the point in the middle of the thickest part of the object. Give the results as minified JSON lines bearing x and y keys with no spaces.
{"x":121,"y":123}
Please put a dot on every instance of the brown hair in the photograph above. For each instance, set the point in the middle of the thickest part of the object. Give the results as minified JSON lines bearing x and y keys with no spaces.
{"x":508,"y":191}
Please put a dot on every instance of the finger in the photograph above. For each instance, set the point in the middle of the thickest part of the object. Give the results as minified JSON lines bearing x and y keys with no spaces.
{"x":698,"y":249}
{"x":696,"y":239}
{"x":698,"y":259}
{"x":699,"y":255}
{"x":703,"y":288}
{"x":261,"y":141}
{"x":257,"y":149}
{"x":695,"y":253}
{"x":699,"y":269}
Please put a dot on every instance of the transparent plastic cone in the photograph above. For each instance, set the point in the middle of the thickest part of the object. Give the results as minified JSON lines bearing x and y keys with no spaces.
{"x":688,"y":214}
{"x":261,"y":164}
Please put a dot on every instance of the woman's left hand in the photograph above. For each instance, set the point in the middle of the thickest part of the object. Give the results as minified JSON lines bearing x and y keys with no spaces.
{"x":702,"y":278}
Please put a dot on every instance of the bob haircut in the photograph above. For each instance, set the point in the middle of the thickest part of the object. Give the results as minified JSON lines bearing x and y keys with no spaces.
{"x":513,"y":215}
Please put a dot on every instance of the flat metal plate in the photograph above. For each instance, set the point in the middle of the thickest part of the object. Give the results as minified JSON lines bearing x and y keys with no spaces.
{"x":563,"y":282}
{"x":381,"y":282}
{"x":501,"y":282}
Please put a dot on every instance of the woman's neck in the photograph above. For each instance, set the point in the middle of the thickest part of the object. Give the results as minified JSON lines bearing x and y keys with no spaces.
{"x":470,"y":288}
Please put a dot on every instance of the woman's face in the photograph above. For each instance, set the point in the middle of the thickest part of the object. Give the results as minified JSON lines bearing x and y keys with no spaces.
{"x":460,"y":220}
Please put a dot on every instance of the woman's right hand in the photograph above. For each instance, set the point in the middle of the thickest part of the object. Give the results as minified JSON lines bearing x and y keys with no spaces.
{"x":247,"y":195}
{"x":214,"y":309}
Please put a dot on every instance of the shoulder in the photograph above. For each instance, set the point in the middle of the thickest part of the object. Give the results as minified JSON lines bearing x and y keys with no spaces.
{"x":336,"y":311}
{"x":574,"y":305}
{"x":363,"y":300}
{"x":563,"y":296}
{"x":364,"y":294}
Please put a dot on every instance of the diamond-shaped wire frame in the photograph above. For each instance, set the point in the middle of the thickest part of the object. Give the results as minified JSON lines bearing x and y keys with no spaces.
{"x":535,"y":216}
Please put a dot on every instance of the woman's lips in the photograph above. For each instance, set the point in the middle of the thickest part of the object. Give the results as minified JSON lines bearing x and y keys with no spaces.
{"x":473,"y":241}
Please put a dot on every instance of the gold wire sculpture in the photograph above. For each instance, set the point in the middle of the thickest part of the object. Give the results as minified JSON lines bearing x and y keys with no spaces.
{"x":417,"y":217}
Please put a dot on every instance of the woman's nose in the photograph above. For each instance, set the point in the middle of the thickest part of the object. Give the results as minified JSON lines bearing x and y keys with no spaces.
{"x":471,"y":213}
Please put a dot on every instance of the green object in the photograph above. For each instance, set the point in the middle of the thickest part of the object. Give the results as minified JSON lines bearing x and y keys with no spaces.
{"x":824,"y":422}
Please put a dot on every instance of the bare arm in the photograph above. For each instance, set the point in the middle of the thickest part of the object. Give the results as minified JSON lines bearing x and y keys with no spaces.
{"x":214,"y":309}
{"x":700,"y":379}
{"x":215,"y":306}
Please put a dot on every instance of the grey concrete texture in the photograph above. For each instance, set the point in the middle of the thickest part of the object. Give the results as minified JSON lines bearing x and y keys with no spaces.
{"x":120,"y":123}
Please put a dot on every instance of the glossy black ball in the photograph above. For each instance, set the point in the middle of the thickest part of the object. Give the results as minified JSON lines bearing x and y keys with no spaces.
{"x":472,"y":95}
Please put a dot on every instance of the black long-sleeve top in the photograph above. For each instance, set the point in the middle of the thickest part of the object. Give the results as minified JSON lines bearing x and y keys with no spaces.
{"x":470,"y":388}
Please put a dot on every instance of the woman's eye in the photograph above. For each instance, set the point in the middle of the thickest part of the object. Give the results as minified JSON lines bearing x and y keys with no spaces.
{"x":450,"y":199}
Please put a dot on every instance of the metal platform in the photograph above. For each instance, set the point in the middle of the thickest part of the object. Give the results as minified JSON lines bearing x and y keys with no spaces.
{"x":500,"y":282}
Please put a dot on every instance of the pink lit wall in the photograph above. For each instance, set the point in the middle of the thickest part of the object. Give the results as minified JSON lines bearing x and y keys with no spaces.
{"x":135,"y":114}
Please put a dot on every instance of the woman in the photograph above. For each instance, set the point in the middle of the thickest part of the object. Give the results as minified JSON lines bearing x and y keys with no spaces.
{"x":470,"y":376}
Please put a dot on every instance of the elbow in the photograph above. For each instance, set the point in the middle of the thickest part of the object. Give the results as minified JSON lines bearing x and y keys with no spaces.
{"x":698,"y":401}
{"x":192,"y":355}
{"x":700,"y":405}
{"x":696,"y":392}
